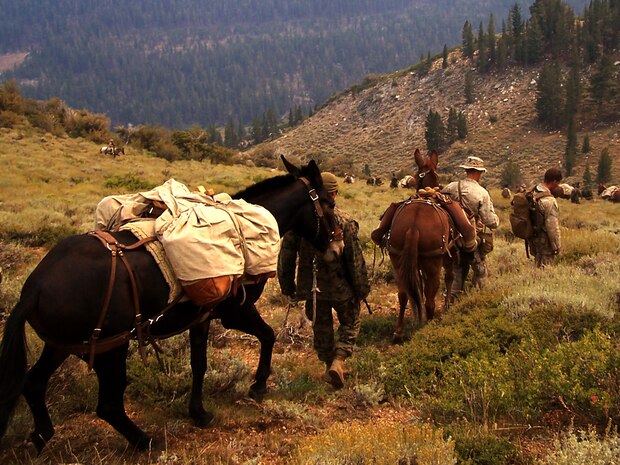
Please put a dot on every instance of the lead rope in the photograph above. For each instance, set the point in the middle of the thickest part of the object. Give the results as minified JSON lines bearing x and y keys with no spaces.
{"x":315,"y":289}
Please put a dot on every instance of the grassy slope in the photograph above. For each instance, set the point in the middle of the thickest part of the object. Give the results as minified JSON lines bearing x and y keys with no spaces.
{"x":59,"y":181}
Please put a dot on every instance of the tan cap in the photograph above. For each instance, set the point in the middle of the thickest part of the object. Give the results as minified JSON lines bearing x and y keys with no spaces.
{"x":473,"y":163}
{"x":330,"y":181}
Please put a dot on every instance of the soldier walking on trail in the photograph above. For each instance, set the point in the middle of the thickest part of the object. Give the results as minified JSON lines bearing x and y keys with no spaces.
{"x":339,"y":285}
{"x":545,"y":245}
{"x":477,"y":203}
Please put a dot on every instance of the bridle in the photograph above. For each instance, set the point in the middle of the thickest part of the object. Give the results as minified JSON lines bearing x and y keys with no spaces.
{"x":333,"y":235}
{"x":420,"y":176}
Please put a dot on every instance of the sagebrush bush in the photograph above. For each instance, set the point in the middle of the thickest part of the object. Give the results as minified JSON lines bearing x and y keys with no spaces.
{"x":377,"y":444}
{"x":584,"y":447}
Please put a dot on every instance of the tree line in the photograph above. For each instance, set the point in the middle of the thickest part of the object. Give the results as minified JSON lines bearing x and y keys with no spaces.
{"x":578,"y":83}
{"x":184,"y":62}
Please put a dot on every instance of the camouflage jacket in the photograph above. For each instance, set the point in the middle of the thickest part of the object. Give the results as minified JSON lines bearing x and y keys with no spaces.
{"x":343,"y":279}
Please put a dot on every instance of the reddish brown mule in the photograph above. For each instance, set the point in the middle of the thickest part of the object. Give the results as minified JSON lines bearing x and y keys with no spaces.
{"x":419,"y":244}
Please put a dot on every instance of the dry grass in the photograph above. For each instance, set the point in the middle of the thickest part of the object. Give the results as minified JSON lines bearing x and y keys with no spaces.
{"x":60,"y":181}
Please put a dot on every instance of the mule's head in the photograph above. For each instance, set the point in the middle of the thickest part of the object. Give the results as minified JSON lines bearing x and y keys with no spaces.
{"x":316,"y":221}
{"x":427,"y":170}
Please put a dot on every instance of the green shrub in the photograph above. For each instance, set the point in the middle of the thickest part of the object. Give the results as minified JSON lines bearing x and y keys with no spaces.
{"x":485,"y":449}
{"x":128,"y":182}
{"x":81,"y":123}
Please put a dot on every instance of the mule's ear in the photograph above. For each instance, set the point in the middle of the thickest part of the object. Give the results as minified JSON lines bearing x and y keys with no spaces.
{"x":419,"y":159}
{"x":292,"y":169}
{"x":314,"y":174}
{"x":434,"y":159}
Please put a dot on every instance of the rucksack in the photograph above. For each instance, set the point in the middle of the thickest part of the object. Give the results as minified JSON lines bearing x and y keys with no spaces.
{"x":525,"y":216}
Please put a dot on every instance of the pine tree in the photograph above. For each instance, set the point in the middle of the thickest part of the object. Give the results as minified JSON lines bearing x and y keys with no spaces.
{"x":483,"y":56}
{"x":534,"y":42}
{"x":573,"y":88}
{"x":601,"y":83}
{"x":585,"y":148}
{"x":444,"y":63}
{"x":511,"y":174}
{"x":491,"y":39}
{"x":587,"y":178}
{"x":468,"y":40}
{"x":516,"y":33}
{"x":256,"y":131}
{"x":603,"y":174}
{"x":549,"y":104}
{"x":570,"y":154}
{"x":452,"y":129}
{"x":230,"y":134}
{"x":435,"y":133}
{"x":461,"y":125}
{"x":469,"y":88}
{"x":291,"y":118}
{"x":299,"y":117}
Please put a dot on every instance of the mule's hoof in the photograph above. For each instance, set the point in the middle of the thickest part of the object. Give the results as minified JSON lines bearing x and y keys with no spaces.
{"x":397,"y":339}
{"x":257,"y":392}
{"x":39,"y":441}
{"x":203,"y":420}
{"x":143,"y":443}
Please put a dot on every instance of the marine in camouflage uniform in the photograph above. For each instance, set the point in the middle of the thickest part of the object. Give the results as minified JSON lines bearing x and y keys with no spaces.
{"x":545,"y":245}
{"x":476,"y":200}
{"x":343,"y":283}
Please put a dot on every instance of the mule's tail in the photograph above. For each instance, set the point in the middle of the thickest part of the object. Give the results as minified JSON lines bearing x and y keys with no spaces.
{"x":13,"y":362}
{"x":410,"y":271}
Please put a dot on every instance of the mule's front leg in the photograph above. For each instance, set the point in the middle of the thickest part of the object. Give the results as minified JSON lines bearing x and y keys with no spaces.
{"x":198,"y":337}
{"x":249,"y":321}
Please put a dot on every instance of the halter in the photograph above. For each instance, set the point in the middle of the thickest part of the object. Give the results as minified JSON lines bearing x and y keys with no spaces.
{"x":336,"y":235}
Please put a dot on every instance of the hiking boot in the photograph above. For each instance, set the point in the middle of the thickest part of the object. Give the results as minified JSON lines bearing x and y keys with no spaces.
{"x":336,"y":373}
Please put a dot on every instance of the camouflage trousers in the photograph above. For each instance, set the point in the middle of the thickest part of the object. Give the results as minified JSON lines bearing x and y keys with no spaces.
{"x":542,"y":252}
{"x":480,"y":272}
{"x":325,"y":344}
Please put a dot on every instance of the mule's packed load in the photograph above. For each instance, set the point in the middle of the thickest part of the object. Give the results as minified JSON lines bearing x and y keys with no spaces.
{"x":210,"y":241}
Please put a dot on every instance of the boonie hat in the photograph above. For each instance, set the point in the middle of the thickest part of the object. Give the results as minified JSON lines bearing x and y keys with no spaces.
{"x":473,"y":163}
{"x":330,"y":181}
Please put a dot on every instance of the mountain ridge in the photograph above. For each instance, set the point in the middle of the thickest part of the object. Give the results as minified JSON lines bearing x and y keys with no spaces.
{"x":382,"y":124}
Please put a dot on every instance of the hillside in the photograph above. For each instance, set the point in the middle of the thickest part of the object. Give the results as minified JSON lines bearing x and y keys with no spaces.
{"x":176,"y":63}
{"x":382,"y":121}
{"x":493,"y":379}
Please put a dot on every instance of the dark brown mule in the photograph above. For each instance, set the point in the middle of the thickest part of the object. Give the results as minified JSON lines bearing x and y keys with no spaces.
{"x":63,"y":298}
{"x":419,"y":244}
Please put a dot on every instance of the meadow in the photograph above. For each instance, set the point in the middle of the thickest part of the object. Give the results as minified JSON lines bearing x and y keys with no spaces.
{"x":525,"y":371}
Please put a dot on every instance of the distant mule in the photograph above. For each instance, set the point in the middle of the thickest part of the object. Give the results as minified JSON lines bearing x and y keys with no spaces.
{"x":114,"y":151}
{"x":611,"y":193}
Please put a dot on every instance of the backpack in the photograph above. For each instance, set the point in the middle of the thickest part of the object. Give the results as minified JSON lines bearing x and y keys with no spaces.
{"x":525,"y":217}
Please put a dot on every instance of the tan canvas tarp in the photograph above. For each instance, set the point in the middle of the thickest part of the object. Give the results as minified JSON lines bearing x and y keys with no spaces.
{"x":203,"y":236}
